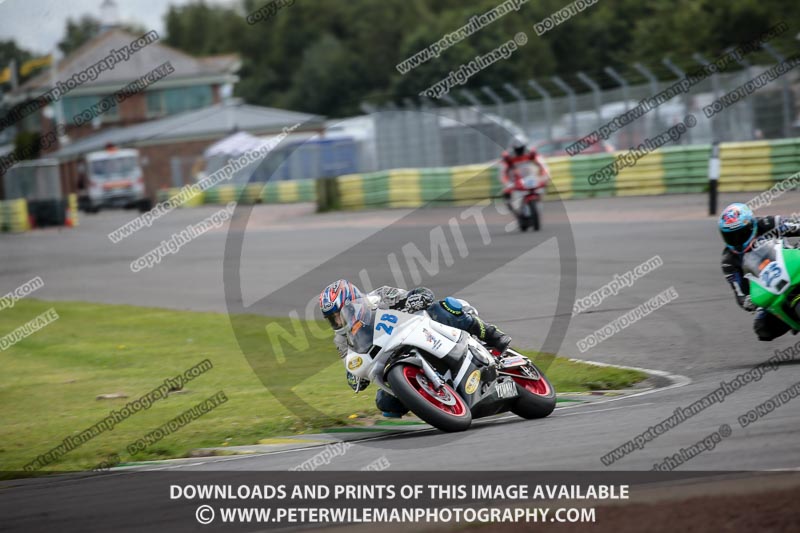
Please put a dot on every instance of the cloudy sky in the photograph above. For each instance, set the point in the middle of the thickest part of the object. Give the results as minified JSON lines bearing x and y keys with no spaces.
{"x":38,"y":25}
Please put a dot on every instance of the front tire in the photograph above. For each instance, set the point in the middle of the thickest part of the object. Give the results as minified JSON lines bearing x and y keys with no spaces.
{"x":443,"y":409}
{"x":534,"y":215}
{"x":537,"y":398}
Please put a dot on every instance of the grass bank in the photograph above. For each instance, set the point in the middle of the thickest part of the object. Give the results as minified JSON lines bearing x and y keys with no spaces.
{"x":52,"y":378}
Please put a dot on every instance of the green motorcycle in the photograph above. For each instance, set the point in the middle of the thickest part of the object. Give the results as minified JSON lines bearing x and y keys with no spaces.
{"x":774,"y":274}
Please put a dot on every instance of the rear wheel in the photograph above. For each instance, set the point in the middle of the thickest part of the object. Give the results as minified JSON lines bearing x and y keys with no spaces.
{"x":537,"y":397}
{"x":443,"y":409}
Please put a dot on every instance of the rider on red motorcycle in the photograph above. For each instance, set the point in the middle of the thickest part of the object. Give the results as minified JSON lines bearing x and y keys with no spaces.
{"x":519,"y":155}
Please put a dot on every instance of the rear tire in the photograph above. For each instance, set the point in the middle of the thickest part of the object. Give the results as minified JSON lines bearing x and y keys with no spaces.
{"x":537,"y":399}
{"x":405,"y":383}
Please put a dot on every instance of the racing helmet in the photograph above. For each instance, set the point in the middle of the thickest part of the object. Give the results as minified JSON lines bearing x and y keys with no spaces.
{"x":518,"y":147}
{"x":738,"y":227}
{"x":334,"y":298}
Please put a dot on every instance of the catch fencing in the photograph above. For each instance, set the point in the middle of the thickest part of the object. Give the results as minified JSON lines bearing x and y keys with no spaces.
{"x":473,"y":125}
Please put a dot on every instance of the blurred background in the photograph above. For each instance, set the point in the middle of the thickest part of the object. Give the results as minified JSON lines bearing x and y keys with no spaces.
{"x":319,"y":84}
{"x":330,"y":67}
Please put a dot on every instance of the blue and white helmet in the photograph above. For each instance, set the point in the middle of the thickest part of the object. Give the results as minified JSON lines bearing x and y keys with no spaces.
{"x":334,"y":298}
{"x":738,"y":227}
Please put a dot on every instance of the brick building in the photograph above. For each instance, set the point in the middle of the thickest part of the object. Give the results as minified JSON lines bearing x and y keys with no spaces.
{"x":169,"y":147}
{"x":171,"y":121}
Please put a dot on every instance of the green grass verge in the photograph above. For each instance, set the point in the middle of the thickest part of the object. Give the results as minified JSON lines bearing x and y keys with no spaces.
{"x":50,"y":381}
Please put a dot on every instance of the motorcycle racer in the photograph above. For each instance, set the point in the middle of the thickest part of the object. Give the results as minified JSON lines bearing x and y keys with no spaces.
{"x":449,"y":311}
{"x":520,"y":154}
{"x":740,"y":229}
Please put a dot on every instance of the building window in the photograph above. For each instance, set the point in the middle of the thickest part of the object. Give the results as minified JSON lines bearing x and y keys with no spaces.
{"x":155,"y":104}
{"x":73,"y":106}
{"x":170,"y":101}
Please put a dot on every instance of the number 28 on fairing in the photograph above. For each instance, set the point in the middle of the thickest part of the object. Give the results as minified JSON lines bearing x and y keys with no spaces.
{"x":382,"y":325}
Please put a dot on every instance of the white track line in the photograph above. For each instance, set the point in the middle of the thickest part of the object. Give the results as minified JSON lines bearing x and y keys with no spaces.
{"x":677,"y":381}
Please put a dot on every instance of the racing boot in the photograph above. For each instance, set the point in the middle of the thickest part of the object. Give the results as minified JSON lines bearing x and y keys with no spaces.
{"x":490,"y":334}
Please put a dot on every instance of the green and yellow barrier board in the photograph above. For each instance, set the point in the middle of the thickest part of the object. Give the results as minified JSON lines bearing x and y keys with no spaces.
{"x":14,"y":216}
{"x":745,"y":166}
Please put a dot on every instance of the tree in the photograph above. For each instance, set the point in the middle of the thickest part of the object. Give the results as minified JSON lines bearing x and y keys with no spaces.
{"x":10,"y":51}
{"x":325,"y":79}
{"x":326,"y":57}
{"x":78,"y":32}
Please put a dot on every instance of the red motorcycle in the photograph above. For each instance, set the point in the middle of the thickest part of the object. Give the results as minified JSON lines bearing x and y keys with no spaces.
{"x":523,"y":192}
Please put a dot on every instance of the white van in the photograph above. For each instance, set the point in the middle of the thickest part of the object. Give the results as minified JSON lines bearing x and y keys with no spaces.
{"x":113,"y":179}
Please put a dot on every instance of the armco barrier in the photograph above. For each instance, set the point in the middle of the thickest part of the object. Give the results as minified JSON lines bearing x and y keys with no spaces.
{"x":279,"y":192}
{"x":165,"y":194}
{"x":745,"y":166}
{"x":288,"y":192}
{"x":72,"y":210}
{"x":14,"y":216}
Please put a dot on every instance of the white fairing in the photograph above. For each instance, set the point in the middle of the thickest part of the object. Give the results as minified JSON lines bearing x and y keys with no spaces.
{"x":772,"y":274}
{"x":394,"y":329}
{"x":358,"y":364}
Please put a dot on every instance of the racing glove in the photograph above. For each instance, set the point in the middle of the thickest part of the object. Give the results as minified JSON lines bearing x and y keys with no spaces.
{"x":355,"y":383}
{"x":340,"y":340}
{"x":419,"y":299}
{"x":390,"y":297}
{"x":748,"y":305}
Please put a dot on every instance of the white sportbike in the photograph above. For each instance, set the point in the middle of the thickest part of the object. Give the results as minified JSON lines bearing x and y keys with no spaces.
{"x":444,"y":375}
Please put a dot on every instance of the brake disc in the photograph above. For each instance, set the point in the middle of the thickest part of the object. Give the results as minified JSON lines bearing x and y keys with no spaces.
{"x":442,"y":396}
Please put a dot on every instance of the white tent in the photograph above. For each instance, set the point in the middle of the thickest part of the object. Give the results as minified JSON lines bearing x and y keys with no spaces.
{"x":233,"y":145}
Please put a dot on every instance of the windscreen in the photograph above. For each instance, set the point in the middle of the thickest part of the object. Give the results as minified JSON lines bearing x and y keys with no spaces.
{"x":755,"y":260}
{"x":525,"y":170}
{"x":359,"y":320}
{"x":527,"y":175}
{"x":113,"y":168}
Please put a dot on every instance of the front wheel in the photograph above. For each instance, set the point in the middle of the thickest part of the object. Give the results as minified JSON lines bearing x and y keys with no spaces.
{"x":537,"y":397}
{"x":443,"y":409}
{"x":534,"y":215}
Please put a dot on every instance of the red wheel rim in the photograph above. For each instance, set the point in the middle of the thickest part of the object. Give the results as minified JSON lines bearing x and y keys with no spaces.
{"x":415,"y":374}
{"x":539,"y":387}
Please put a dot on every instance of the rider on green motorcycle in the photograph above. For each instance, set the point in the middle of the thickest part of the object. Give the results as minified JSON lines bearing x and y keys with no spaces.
{"x":741,"y":230}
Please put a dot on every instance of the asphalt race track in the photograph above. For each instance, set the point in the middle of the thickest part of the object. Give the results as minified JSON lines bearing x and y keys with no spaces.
{"x":702,"y":335}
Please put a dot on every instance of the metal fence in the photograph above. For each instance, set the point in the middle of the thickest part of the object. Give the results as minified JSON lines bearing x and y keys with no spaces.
{"x":33,"y":180}
{"x":472,"y":126}
{"x":316,"y":157}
